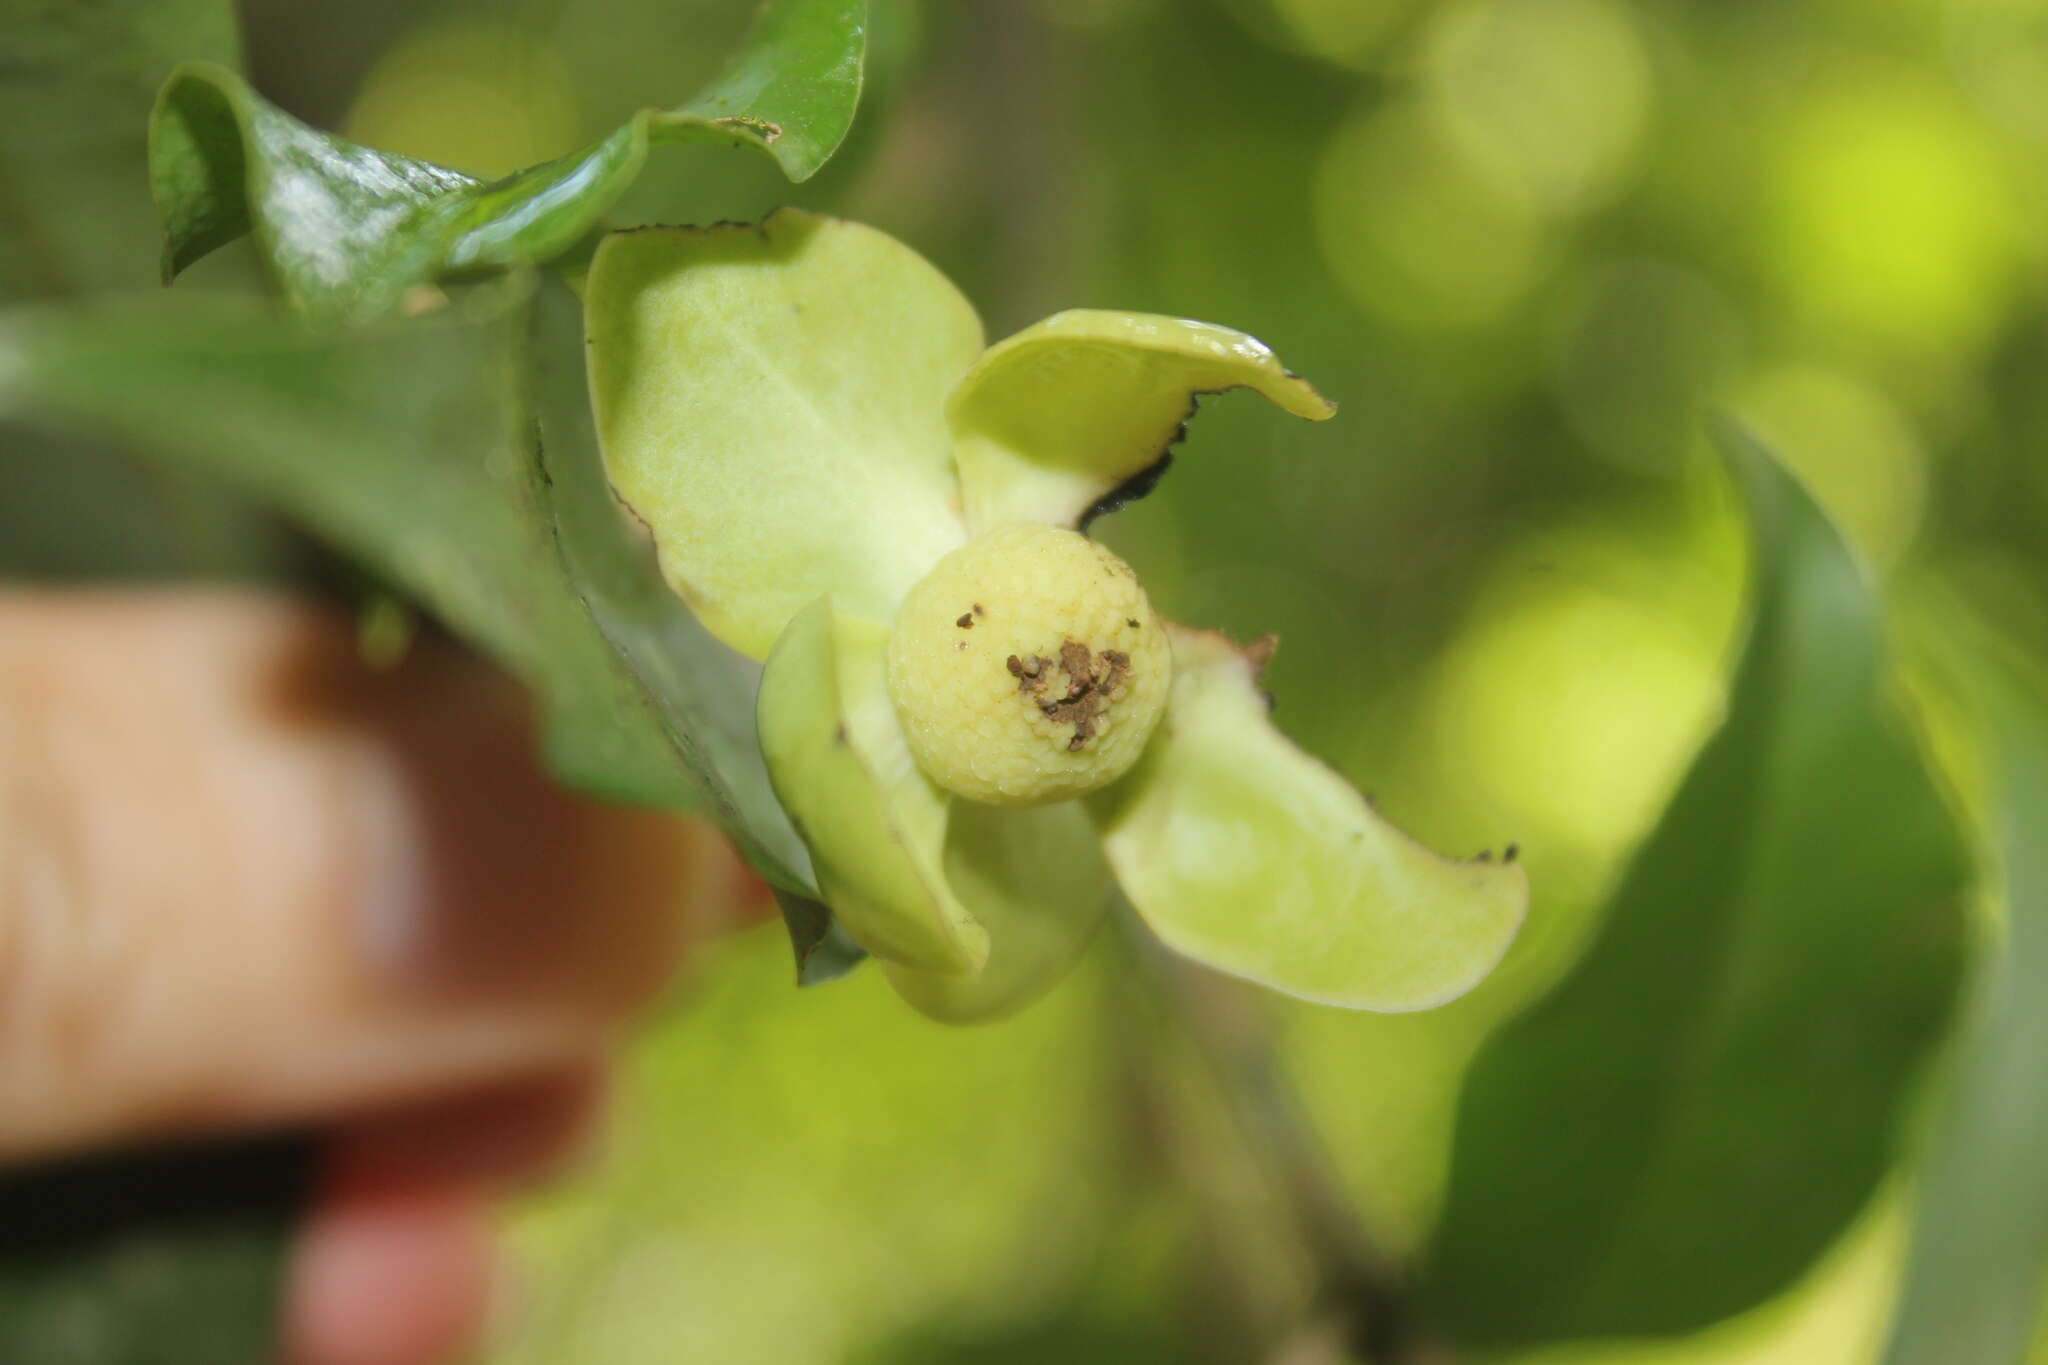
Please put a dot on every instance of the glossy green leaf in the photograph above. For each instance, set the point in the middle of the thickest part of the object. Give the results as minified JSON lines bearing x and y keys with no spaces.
{"x":1087,"y":404}
{"x":1035,"y":879}
{"x":1979,"y":1261}
{"x":409,"y":445}
{"x":771,"y":400}
{"x":875,"y":824}
{"x":348,"y":229}
{"x":1711,"y":1095}
{"x":1244,"y":853}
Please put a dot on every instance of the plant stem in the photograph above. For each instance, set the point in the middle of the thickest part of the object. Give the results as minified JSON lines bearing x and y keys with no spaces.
{"x":1360,"y":1283}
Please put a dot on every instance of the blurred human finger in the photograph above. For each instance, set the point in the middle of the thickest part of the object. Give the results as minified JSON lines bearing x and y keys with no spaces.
{"x":245,"y":879}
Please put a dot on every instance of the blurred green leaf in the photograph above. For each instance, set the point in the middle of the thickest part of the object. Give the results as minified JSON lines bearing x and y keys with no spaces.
{"x":1975,"y":1275}
{"x":348,"y":229}
{"x":1710,"y":1096}
{"x":75,"y":88}
{"x":76,"y":82}
{"x":799,"y":1177}
{"x":408,"y":445}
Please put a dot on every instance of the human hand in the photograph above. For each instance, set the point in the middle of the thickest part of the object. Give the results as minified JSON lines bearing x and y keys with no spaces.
{"x":246,"y":881}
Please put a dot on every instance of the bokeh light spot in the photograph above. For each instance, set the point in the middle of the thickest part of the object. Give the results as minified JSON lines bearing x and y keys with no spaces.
{"x":1999,"y":50}
{"x":1893,"y":217}
{"x":1554,"y":94}
{"x":1420,"y":235}
{"x":1585,"y":680}
{"x":477,"y":95}
{"x":1347,"y":32}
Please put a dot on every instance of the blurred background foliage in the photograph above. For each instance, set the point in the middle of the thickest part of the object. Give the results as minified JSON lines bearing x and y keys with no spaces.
{"x":1528,"y":245}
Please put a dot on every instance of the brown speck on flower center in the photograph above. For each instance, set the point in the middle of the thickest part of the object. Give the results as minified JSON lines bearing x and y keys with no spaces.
{"x":1094,"y":683}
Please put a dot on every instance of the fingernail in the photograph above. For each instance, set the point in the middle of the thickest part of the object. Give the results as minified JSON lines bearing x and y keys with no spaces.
{"x":391,"y":910}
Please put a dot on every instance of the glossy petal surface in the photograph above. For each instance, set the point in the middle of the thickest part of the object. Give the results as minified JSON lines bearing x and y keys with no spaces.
{"x":1036,"y":880}
{"x":876,"y":826}
{"x":771,"y":400}
{"x":1055,"y":418}
{"x":1246,"y":854}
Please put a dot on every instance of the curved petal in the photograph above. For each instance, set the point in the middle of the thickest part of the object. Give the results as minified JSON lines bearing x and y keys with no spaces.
{"x":1244,"y":853}
{"x":1037,"y":882}
{"x":1051,"y":421}
{"x":875,"y":825}
{"x":770,"y":398}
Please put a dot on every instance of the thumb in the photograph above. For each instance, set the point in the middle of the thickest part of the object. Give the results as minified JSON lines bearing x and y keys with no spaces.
{"x":244,"y":880}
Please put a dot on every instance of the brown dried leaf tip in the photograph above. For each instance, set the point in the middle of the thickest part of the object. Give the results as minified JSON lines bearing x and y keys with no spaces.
{"x":1094,"y":682}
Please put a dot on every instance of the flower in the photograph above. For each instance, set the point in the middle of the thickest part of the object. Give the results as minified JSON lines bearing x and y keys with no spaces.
{"x":969,"y":709}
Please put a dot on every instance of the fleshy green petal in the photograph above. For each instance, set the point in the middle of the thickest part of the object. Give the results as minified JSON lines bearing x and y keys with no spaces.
{"x":1244,"y":853}
{"x":875,"y":825}
{"x":1051,"y":420}
{"x":1036,"y":880}
{"x":771,"y":399}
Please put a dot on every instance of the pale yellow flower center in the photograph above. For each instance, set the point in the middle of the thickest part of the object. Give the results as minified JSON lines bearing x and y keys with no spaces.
{"x":1028,"y":666}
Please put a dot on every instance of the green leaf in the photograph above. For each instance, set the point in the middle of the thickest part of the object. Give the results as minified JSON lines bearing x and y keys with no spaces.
{"x":345,"y":229}
{"x":875,"y":824}
{"x":1035,"y":879}
{"x":823,"y":950}
{"x":1244,"y":853}
{"x":348,"y":229}
{"x":76,"y":83}
{"x":1711,"y":1095}
{"x":701,"y":692}
{"x":409,"y":445}
{"x":771,"y":399}
{"x":1975,"y":1274}
{"x":1070,"y":411}
{"x":864,"y":1164}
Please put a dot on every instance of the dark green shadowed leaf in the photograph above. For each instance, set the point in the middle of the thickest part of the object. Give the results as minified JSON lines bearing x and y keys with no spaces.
{"x":1979,"y":1259}
{"x":823,"y":950}
{"x":1708,"y":1099}
{"x":347,"y":229}
{"x":408,"y":445}
{"x":701,"y":691}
